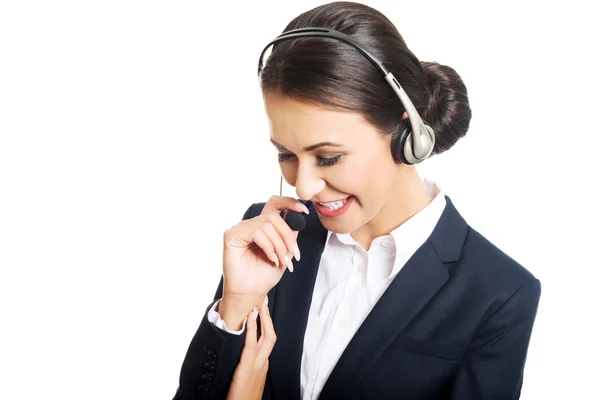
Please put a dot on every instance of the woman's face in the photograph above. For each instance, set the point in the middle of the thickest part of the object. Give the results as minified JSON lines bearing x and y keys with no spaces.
{"x":332,"y":155}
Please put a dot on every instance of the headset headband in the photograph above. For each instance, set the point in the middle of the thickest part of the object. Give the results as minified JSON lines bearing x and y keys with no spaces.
{"x":422,"y":135}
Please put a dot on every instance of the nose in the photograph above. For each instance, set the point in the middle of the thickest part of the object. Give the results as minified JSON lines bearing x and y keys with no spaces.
{"x":308,"y":183}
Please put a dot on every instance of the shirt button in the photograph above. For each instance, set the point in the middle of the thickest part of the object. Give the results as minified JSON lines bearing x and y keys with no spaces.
{"x":362,"y":267}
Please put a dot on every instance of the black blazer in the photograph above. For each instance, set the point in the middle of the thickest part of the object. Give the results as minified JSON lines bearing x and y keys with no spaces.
{"x":455,"y":323}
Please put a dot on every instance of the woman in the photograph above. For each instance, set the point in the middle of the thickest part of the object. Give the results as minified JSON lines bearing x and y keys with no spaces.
{"x":388,"y":293}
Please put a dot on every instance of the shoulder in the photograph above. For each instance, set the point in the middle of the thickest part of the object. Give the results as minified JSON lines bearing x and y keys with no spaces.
{"x":473,"y":260}
{"x":487,"y":259}
{"x":492,"y":275}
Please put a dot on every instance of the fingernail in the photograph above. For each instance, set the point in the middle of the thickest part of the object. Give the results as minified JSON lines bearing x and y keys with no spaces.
{"x":254,"y":314}
{"x":296,"y":251}
{"x":303,"y":207}
{"x":288,"y":261}
{"x":275,"y":259}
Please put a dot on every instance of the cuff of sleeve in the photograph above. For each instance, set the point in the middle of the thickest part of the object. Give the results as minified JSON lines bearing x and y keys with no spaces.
{"x":215,"y":318}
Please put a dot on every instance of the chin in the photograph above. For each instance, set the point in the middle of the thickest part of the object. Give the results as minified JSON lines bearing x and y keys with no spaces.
{"x":338,"y":226}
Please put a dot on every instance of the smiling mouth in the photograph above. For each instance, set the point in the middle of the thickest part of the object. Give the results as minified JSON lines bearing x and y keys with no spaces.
{"x":334,"y":209}
{"x":335,"y":205}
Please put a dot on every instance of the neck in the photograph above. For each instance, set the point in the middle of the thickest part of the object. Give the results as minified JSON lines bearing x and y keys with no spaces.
{"x":406,"y":198}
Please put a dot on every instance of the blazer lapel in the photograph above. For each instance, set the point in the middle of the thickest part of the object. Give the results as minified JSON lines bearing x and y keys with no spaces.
{"x":290,"y":311}
{"x":414,"y":286}
{"x":416,"y":283}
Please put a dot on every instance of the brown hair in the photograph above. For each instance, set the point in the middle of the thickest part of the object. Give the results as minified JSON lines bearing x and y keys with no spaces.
{"x":330,"y":72}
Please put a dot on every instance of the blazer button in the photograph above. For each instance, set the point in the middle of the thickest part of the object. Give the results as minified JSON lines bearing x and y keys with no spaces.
{"x":212,"y":357}
{"x":205,"y":380}
{"x":203,"y":392}
{"x":209,"y":369}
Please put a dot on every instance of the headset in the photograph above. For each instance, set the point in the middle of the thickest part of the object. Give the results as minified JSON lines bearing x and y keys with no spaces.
{"x":416,"y":143}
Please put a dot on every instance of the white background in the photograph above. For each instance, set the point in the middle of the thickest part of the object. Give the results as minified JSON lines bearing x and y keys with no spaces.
{"x":132,"y":134}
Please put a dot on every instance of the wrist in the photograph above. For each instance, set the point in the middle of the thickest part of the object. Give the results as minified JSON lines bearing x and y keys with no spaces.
{"x":235,"y":309}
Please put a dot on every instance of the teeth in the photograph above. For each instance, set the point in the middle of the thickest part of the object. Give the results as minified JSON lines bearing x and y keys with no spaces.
{"x":334,"y":205}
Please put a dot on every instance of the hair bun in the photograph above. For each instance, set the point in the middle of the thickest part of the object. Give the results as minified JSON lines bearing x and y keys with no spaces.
{"x":447,"y":111}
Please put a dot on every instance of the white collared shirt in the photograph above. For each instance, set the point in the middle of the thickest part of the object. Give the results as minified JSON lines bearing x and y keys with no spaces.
{"x":349,"y":282}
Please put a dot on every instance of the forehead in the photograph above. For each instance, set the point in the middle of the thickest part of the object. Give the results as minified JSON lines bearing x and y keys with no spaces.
{"x":301,"y":122}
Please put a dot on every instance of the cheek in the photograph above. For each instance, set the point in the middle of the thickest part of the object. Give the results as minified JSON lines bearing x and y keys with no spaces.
{"x":365,"y":173}
{"x":369,"y":182}
{"x":353,"y":181}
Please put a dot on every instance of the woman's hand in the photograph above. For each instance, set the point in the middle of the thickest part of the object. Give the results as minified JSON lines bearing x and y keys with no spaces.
{"x":251,"y":373}
{"x":256,"y":253}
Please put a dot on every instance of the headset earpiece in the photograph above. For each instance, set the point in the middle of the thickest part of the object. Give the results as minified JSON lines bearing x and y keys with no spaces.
{"x":405,"y":151}
{"x":400,"y":147}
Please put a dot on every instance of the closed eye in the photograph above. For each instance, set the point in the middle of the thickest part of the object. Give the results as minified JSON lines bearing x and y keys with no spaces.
{"x":322,"y":161}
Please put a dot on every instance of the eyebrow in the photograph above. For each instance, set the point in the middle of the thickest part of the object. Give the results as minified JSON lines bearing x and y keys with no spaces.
{"x":309,"y":148}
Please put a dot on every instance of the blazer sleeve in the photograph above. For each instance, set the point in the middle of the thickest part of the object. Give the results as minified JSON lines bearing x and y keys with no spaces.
{"x":493,"y":365}
{"x":212,"y":356}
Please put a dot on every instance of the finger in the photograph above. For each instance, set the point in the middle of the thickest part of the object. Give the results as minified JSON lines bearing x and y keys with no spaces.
{"x":262,"y":241}
{"x":285,"y":257}
{"x":268,"y":337}
{"x":288,"y":235}
{"x":279,"y":203}
{"x":241,"y":235}
{"x":251,"y":330}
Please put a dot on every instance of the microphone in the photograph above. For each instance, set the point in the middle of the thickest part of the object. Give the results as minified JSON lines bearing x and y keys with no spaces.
{"x":295,"y":220}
